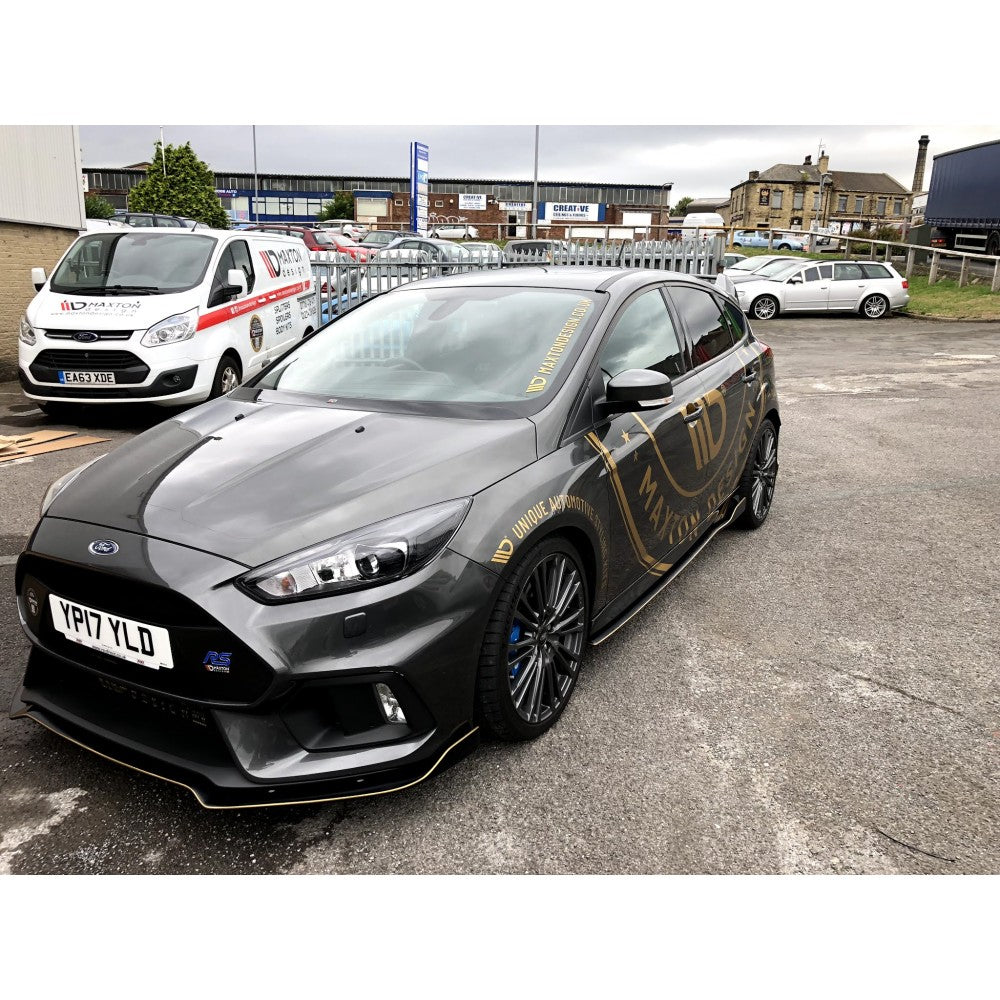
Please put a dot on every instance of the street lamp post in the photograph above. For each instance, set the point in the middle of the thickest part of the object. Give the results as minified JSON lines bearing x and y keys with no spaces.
{"x":823,"y":180}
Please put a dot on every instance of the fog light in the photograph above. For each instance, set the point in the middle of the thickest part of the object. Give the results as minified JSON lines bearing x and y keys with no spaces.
{"x":390,"y":707}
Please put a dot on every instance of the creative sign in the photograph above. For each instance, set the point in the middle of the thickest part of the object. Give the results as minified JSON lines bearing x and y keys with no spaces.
{"x":419,"y":167}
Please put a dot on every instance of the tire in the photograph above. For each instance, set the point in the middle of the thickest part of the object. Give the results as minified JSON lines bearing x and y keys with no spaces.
{"x":228,"y":370}
{"x":784,"y":246}
{"x":737,"y":244}
{"x":527,"y":675}
{"x":759,"y":477}
{"x":875,"y":307}
{"x":764,"y":307}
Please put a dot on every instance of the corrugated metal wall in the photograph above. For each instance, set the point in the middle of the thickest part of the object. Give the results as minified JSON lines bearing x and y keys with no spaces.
{"x":41,"y":175}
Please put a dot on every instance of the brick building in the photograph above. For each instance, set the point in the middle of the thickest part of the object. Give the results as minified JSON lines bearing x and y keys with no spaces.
{"x":41,"y":213}
{"x":498,"y":208}
{"x":794,"y":196}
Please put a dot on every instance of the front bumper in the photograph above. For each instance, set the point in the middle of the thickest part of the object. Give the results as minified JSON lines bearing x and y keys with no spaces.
{"x":295,"y":717}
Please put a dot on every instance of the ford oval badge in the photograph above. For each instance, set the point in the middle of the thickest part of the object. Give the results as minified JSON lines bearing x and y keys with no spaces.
{"x":85,"y":336}
{"x":103,"y":547}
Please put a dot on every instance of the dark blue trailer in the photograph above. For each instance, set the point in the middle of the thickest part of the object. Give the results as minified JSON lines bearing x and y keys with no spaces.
{"x":964,"y":198}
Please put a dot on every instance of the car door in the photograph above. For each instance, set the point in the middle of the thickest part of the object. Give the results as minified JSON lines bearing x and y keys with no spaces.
{"x":848,"y":285}
{"x":647,"y":453}
{"x":729,"y":384}
{"x":250,"y":328}
{"x":807,"y":290}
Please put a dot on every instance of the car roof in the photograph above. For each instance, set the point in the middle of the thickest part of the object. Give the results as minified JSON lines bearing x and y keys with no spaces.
{"x":583,"y":278}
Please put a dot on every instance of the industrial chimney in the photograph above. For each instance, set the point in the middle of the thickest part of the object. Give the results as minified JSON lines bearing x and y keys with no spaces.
{"x":918,"y":170}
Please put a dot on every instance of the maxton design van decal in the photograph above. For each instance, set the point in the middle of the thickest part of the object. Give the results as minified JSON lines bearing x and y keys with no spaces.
{"x":256,"y":333}
{"x":548,"y":365}
{"x":249,"y":305}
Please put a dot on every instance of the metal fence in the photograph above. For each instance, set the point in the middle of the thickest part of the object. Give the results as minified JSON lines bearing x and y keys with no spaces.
{"x":341,"y":282}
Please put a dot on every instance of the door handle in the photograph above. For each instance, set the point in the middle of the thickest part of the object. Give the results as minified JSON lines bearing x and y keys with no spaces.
{"x":751,"y":376}
{"x":692,"y":415}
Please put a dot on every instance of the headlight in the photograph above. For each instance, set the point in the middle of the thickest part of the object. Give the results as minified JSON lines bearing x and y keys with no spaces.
{"x":61,"y":483}
{"x":364,"y":558}
{"x":26,"y":335}
{"x":172,"y":330}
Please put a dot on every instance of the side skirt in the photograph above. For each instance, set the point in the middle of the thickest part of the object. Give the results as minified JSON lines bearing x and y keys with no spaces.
{"x":724,"y":521}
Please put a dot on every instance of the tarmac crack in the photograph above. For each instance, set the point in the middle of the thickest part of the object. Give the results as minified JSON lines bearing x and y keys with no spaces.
{"x":910,"y":847}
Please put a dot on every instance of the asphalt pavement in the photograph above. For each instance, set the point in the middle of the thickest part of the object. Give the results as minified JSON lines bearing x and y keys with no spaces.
{"x":821,"y":695}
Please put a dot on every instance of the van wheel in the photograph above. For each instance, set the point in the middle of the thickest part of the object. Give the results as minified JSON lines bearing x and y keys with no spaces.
{"x":228,"y":376}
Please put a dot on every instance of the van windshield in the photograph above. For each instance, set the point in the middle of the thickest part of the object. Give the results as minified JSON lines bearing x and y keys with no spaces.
{"x":134,"y":263}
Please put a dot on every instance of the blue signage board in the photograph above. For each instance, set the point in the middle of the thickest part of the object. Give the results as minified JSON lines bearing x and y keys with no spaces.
{"x":419,"y":170}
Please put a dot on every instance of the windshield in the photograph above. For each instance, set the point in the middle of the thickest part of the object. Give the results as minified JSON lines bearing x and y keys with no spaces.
{"x":137,"y":263}
{"x":779,"y":268}
{"x":444,"y":345}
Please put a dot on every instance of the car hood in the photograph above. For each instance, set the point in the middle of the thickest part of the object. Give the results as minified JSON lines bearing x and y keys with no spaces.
{"x":256,"y":481}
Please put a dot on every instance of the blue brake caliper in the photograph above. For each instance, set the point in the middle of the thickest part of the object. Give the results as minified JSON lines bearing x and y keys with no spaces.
{"x":515,"y":635}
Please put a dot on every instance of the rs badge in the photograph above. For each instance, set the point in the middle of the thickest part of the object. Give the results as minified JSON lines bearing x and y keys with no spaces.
{"x":216,"y":663}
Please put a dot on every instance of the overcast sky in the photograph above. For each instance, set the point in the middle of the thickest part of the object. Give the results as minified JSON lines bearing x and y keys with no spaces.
{"x":700,"y":161}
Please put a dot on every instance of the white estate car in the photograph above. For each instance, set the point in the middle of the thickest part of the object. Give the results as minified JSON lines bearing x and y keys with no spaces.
{"x":871,"y":288}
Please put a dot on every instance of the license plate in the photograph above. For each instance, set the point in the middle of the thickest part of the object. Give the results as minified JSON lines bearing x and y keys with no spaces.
{"x":87,"y":378}
{"x":147,"y":645}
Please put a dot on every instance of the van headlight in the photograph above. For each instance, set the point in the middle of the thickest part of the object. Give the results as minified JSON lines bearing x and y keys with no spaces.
{"x":172,"y":330}
{"x":26,"y":334}
{"x":367,"y":557}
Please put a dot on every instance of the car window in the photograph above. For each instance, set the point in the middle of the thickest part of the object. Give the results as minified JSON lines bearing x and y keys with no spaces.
{"x":243,"y":260}
{"x":150,"y":262}
{"x":875,"y":271}
{"x":643,"y":337}
{"x":737,"y":321}
{"x":222,"y":269}
{"x":466,"y":344}
{"x":140,"y":220}
{"x":811,"y":274}
{"x":826,"y":270}
{"x":711,"y":335}
{"x":847,"y":272}
{"x":166,"y":221}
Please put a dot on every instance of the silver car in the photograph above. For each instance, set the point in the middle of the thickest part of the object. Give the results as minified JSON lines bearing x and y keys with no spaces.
{"x":869,"y":288}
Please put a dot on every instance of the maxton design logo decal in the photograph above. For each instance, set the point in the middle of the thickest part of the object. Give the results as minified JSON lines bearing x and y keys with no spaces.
{"x":256,"y":333}
{"x":538,"y":512}
{"x":704,"y":442}
{"x":278,"y":260}
{"x":548,"y":365}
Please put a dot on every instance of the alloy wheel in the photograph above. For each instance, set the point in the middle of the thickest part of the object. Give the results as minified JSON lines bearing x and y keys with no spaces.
{"x":230,"y":379}
{"x":765,"y":472}
{"x":545,"y":642}
{"x":875,"y":307}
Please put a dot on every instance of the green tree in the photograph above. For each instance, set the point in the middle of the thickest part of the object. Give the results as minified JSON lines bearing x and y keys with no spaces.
{"x":342,"y":207}
{"x":96,"y":207}
{"x":681,"y":207}
{"x":187,"y":188}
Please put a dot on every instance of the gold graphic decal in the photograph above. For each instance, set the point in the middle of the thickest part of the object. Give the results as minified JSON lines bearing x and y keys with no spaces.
{"x":503,"y":553}
{"x":651,"y":564}
{"x":705,"y":444}
{"x":538,"y":512}
{"x":548,"y":365}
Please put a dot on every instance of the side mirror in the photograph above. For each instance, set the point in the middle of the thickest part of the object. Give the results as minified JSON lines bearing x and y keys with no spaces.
{"x":38,"y":278}
{"x":795,"y":279}
{"x":237,"y":279}
{"x":637,"y":388}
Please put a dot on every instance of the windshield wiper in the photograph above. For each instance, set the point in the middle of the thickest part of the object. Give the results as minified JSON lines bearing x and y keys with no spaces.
{"x":116,"y":289}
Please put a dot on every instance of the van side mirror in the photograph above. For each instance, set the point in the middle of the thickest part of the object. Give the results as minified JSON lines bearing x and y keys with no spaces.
{"x":637,"y":388}
{"x":238,"y":280}
{"x":38,"y":278}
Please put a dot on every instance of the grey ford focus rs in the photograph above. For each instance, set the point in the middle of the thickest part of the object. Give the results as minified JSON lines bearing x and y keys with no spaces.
{"x":400,"y":537}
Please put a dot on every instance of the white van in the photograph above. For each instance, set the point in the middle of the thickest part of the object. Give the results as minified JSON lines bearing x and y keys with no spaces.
{"x":162,"y":316}
{"x":707,"y":224}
